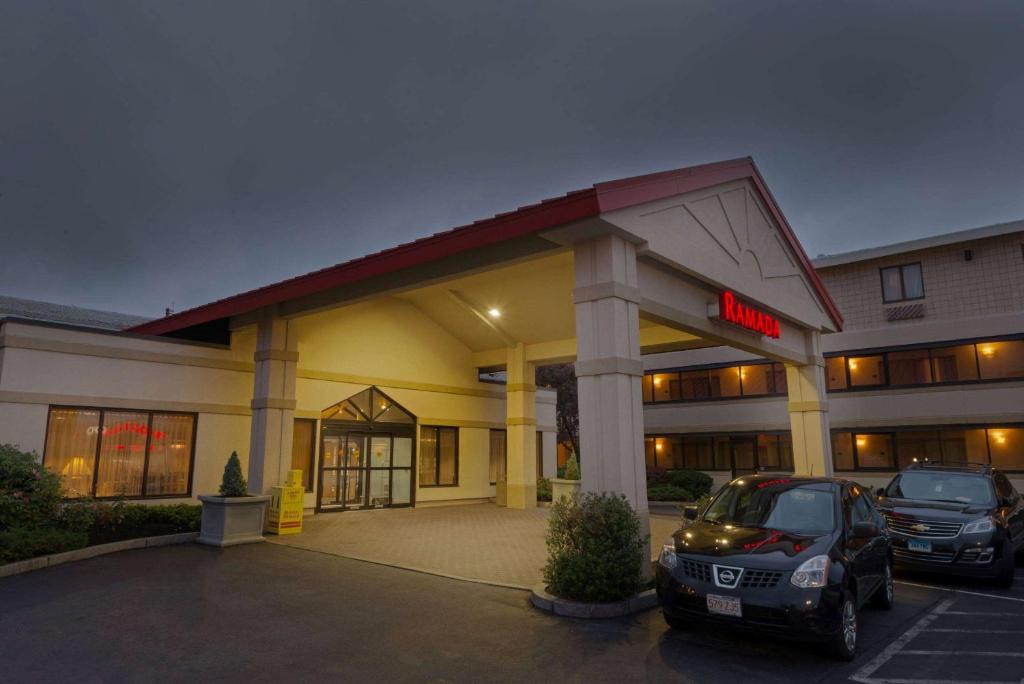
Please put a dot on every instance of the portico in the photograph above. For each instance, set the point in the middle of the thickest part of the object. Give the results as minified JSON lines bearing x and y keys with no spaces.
{"x":598,"y":277}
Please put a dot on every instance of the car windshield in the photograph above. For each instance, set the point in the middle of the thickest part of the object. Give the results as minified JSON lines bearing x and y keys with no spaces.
{"x":784,"y":505}
{"x":961,"y":488}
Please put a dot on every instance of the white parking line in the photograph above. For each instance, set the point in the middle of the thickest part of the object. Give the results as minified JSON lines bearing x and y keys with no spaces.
{"x":1006,"y":654}
{"x":981,"y":612}
{"x":863,"y":675}
{"x":975,"y":631}
{"x":961,"y":591}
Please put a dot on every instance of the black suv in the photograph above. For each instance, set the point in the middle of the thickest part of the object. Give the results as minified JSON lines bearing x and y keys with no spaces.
{"x":794,"y":556}
{"x":963,"y":520}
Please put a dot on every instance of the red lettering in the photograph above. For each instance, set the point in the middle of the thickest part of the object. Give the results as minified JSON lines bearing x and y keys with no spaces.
{"x":734,"y":311}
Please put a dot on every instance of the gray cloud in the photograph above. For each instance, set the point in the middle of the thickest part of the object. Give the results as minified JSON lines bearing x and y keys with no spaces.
{"x":159,"y":152}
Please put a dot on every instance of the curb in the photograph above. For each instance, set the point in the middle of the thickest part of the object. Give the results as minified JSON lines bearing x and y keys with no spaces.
{"x":39,"y":562}
{"x":542,"y":600}
{"x":668,"y":506}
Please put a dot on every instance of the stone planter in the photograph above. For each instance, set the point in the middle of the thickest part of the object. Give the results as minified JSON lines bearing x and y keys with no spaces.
{"x":561,"y":488}
{"x":230,"y":520}
{"x":544,"y":600}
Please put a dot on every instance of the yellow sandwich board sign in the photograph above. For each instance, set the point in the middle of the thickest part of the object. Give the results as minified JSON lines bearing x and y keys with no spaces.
{"x":284,"y":516}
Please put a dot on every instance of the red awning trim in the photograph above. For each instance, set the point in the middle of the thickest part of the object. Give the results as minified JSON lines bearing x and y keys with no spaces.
{"x":534,"y":218}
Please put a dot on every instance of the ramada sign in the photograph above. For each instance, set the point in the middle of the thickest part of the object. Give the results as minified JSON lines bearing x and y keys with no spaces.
{"x":732,"y":310}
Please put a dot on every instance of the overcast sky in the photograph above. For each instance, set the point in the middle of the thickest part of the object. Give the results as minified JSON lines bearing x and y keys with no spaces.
{"x":170,"y":153}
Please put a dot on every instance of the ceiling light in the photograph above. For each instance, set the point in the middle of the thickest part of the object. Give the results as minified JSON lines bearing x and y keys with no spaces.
{"x":494,"y":313}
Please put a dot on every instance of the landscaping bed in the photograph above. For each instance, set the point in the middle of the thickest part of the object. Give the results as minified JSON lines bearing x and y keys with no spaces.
{"x":36,"y":521}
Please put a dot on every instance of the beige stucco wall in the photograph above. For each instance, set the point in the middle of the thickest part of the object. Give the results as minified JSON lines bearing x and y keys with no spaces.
{"x":409,"y":357}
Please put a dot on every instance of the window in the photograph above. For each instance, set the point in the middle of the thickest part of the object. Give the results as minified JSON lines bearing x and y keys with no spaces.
{"x":115,"y":452}
{"x":697,"y":453}
{"x":902,"y":283}
{"x":1006,"y":448}
{"x":910,"y":367}
{"x":498,"y":465}
{"x":874,"y":451}
{"x":773,"y":452}
{"x":1003,"y":447}
{"x":1000,"y":360}
{"x":835,"y":369}
{"x":952,"y":364}
{"x":303,"y":449}
{"x":439,"y":456}
{"x":866,"y":371}
{"x":750,"y":380}
{"x":842,"y":451}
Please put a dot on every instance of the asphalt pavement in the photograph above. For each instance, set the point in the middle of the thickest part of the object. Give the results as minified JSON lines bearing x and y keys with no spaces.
{"x":271,"y":613}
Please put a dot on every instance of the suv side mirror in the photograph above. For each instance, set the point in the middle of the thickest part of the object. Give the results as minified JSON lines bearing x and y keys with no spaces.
{"x":865,"y":530}
{"x":880,"y":491}
{"x":690,"y":512}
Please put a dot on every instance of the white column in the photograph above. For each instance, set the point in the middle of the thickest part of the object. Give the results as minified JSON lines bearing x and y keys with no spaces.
{"x":609,"y":372}
{"x":808,"y":414}
{"x":273,"y":404}
{"x":521,"y":427}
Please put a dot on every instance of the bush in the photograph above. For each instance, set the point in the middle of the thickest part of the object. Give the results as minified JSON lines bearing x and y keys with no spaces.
{"x":572,"y":468}
{"x":595,"y":548}
{"x":657,"y":476}
{"x":30,"y":495}
{"x":669,"y":493}
{"x":233,"y":483}
{"x":694,"y":481}
{"x":21,"y":543}
{"x":543,"y":489}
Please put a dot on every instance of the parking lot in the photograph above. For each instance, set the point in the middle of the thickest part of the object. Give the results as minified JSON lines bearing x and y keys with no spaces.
{"x":972,"y":633}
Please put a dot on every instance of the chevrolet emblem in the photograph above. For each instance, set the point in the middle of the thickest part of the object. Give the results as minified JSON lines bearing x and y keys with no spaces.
{"x":920,"y":528}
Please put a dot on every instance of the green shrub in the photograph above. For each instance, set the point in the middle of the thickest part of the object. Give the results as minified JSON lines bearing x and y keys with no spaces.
{"x":669,"y":493}
{"x":21,"y":543}
{"x":30,"y":495}
{"x":572,"y":468}
{"x":543,"y":489}
{"x":694,"y":481}
{"x":595,"y":548}
{"x":233,"y":483}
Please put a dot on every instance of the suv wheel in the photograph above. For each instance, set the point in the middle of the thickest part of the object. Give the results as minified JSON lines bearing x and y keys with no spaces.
{"x":844,"y":643}
{"x":884,"y":594}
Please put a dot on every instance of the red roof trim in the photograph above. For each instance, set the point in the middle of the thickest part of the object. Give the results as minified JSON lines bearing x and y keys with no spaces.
{"x":574,"y":206}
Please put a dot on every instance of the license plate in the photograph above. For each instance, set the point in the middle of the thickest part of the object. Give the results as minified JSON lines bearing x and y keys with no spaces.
{"x":724,"y":605}
{"x":919,"y":545}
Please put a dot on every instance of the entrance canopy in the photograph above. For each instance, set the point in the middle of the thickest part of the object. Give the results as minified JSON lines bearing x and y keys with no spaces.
{"x":717,"y":224}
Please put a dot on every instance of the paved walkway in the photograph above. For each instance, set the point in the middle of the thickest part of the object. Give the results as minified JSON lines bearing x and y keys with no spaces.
{"x":480,"y":542}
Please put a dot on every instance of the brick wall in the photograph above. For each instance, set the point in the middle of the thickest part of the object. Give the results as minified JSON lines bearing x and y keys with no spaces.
{"x":991,"y":283}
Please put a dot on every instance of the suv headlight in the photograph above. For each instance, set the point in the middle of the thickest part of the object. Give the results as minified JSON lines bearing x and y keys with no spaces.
{"x":668,"y":557}
{"x":980,"y":525}
{"x":811,"y":574}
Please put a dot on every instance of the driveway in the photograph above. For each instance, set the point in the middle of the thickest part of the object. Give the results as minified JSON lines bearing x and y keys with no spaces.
{"x":266,"y":612}
{"x":480,"y":542}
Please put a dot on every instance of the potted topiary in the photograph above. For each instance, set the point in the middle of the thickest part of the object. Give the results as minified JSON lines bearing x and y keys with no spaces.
{"x":234,"y":517}
{"x":570,"y":484}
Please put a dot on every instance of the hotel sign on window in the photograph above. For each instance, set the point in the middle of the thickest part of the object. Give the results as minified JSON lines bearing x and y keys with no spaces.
{"x":732,"y":310}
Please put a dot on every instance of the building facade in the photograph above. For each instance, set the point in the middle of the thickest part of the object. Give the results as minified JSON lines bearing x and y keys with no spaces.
{"x":929,"y":366}
{"x":366,"y":375}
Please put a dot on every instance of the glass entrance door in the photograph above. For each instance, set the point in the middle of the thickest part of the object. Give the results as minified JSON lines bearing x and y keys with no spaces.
{"x":365,"y":470}
{"x":744,"y":456}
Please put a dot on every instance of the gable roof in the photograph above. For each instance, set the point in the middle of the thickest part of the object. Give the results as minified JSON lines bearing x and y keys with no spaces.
{"x":526,"y":220}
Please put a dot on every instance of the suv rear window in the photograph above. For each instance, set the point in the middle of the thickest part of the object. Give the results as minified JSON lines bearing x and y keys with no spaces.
{"x":959,"y":488}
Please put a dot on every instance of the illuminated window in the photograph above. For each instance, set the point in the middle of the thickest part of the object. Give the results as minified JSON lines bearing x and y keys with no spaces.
{"x":666,"y":387}
{"x":874,"y":450}
{"x":952,"y":364}
{"x":842,"y":451}
{"x":111,"y":453}
{"x":902,"y":283}
{"x":1000,"y":360}
{"x":725,"y":382}
{"x":866,"y":371}
{"x":439,"y":456}
{"x":835,"y":368}
{"x":1006,"y":446}
{"x":910,"y":367}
